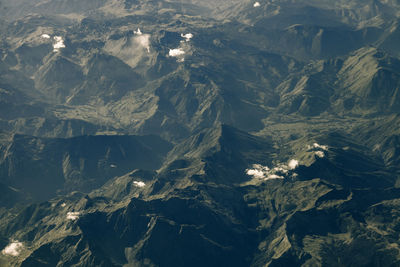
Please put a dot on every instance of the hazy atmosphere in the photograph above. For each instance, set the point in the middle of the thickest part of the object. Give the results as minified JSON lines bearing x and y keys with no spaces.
{"x":183,"y":133}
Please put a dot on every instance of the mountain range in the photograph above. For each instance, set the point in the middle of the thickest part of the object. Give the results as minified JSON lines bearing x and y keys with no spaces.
{"x":199,"y":133}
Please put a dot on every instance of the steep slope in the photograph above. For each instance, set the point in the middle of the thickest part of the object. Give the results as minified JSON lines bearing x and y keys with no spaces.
{"x":58,"y":78}
{"x":281,"y":119}
{"x":43,"y":168}
{"x":372,"y":79}
{"x":363,"y":83}
{"x":148,"y":219}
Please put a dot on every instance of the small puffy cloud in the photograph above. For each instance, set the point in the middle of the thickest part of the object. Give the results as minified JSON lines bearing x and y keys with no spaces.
{"x":74,"y":215}
{"x":256,"y":4}
{"x":281,"y":168}
{"x":139,"y":184}
{"x":177,"y":52}
{"x":13,"y":249}
{"x":63,"y":205}
{"x":256,"y":173}
{"x":45,"y":36}
{"x":319,"y":150}
{"x":187,"y":36}
{"x":184,"y":47}
{"x":138,"y":32}
{"x":293,"y":164}
{"x":58,"y":43}
{"x":323,"y":147}
{"x":113,"y":166}
{"x":318,"y":147}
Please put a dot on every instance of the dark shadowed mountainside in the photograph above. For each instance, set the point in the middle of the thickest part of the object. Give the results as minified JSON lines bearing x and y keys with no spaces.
{"x":199,"y":133}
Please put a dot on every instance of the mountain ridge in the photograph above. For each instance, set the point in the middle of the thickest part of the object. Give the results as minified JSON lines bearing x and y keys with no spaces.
{"x":199,"y":133}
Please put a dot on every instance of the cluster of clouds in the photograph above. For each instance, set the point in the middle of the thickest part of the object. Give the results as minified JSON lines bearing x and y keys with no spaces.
{"x":58,"y":42}
{"x":318,"y":146}
{"x":139,"y":184}
{"x":187,"y":37}
{"x":73,"y":215}
{"x":180,"y":51}
{"x":13,"y":249}
{"x":281,"y":171}
{"x":138,"y":32}
{"x":319,"y":150}
{"x":176,"y":52}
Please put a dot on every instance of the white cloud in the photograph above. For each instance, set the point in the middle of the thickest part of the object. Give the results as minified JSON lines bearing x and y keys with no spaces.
{"x":59,"y":43}
{"x":187,"y":36}
{"x":63,"y":205}
{"x":139,"y":184}
{"x":281,"y":168}
{"x":73,"y":215}
{"x":138,"y":32}
{"x":184,"y":47}
{"x":261,"y":172}
{"x":13,"y":249}
{"x":177,"y":52}
{"x":293,"y":164}
{"x":45,"y":36}
{"x":320,"y":154}
{"x":113,"y":166}
{"x":318,"y":146}
{"x":257,"y":4}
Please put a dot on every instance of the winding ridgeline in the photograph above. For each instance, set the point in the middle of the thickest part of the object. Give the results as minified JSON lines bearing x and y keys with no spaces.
{"x":180,"y":133}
